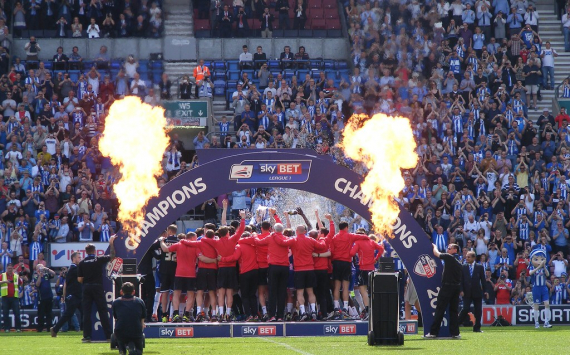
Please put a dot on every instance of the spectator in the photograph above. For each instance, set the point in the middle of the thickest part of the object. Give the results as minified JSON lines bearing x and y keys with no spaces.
{"x":245,"y":59}
{"x":548,"y":54}
{"x":566,"y":29}
{"x":32,"y":49}
{"x":93,"y":30}
{"x":282,"y":6}
{"x":266,"y":24}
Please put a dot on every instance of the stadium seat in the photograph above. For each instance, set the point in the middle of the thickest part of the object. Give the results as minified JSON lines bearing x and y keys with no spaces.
{"x":250,"y":73}
{"x":328,"y":64}
{"x":116,"y":64}
{"x":233,"y":74}
{"x":74,"y":75}
{"x":316,"y":64}
{"x":319,"y":24}
{"x":315,"y":73}
{"x":306,"y":33}
{"x":219,"y":65}
{"x":156,"y":77}
{"x":301,"y":74}
{"x":50,"y":33}
{"x":330,"y":4}
{"x":219,"y":75}
{"x":340,"y":65}
{"x":288,"y":74}
{"x":201,"y":24}
{"x":48,"y":64}
{"x":316,"y":14}
{"x":334,"y":24}
{"x":278,"y":34}
{"x":330,"y":13}
{"x":315,"y":4}
{"x":231,"y":84}
{"x":219,"y":87}
{"x":273,"y":64}
{"x":232,"y":64}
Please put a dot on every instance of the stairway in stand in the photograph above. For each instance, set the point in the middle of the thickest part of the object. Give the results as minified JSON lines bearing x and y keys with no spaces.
{"x":549,"y":29}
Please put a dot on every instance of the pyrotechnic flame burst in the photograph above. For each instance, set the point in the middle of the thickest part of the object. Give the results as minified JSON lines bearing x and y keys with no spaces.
{"x":135,"y":139}
{"x":385,"y":145}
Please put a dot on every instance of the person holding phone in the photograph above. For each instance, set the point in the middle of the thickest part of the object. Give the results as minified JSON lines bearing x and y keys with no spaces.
{"x":10,"y":283}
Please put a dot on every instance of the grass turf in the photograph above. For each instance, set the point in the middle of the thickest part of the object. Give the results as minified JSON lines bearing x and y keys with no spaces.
{"x":504,"y":341}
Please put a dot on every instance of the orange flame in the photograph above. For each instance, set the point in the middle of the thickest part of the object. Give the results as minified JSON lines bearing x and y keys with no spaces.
{"x":385,"y":145}
{"x":135,"y":139}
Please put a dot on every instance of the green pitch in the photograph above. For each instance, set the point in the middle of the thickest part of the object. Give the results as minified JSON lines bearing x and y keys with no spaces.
{"x":501,"y":341}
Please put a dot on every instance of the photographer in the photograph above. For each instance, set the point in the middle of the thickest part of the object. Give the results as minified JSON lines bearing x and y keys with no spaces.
{"x":129,"y":312}
{"x":185,"y":88}
{"x":32,"y":49}
{"x":42,"y":280}
{"x":503,"y":289}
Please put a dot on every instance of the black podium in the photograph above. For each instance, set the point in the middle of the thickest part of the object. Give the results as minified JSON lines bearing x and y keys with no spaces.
{"x":384,"y":320}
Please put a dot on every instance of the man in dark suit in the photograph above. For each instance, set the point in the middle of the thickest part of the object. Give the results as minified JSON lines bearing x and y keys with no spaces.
{"x":266,"y":24}
{"x":472,"y":290}
{"x":225,"y":22}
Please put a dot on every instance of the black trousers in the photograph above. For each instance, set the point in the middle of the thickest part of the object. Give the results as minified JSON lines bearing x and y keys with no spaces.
{"x":248,"y":286}
{"x":477,"y":311}
{"x":135,"y":345}
{"x":44,"y":314}
{"x":322,"y":290}
{"x":71,"y":305}
{"x":94,"y":293}
{"x":448,"y":296}
{"x":278,"y":276}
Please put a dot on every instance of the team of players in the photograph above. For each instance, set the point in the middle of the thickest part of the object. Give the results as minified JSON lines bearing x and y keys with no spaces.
{"x":266,"y":263}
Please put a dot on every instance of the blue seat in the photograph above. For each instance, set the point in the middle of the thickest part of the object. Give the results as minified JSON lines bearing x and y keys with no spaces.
{"x":48,"y":65}
{"x":301,"y":74}
{"x":274,"y":65}
{"x":219,"y":65}
{"x":341,"y":65}
{"x":74,"y":75}
{"x":231,"y":84}
{"x":156,"y":77}
{"x":144,"y":63}
{"x":233,"y":74}
{"x":148,"y":84}
{"x":219,"y":75}
{"x":288,"y":74}
{"x":232,"y":64}
{"x":315,"y":73}
{"x":156,"y":64}
{"x":316,"y":63}
{"x":328,"y":64}
{"x":116,"y":64}
{"x":219,"y":87}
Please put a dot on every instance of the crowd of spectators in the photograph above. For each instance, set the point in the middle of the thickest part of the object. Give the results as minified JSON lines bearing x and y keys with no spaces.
{"x":89,"y":19}
{"x":487,"y":178}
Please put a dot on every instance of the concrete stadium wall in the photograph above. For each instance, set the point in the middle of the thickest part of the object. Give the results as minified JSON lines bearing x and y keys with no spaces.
{"x":230,"y":48}
{"x":89,"y":48}
{"x":188,"y":48}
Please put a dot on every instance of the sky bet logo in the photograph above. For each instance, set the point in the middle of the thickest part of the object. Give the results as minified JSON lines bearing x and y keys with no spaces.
{"x":259,"y":331}
{"x":182,"y":332}
{"x":348,"y":329}
{"x":263,"y":171}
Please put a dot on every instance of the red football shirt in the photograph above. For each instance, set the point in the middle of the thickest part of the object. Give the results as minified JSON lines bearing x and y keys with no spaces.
{"x":365,"y":250}
{"x":186,"y":255}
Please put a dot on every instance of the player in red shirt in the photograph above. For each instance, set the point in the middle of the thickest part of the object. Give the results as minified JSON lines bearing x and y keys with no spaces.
{"x":322,"y":266}
{"x":227,"y":272}
{"x":206,"y":278}
{"x":278,"y":272}
{"x":261,"y":256}
{"x":366,"y":260}
{"x":340,"y":246}
{"x":302,"y":248}
{"x":185,"y":277}
{"x":245,"y":253}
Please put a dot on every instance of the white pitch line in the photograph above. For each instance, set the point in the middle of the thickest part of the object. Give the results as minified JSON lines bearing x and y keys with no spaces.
{"x":286,"y":346}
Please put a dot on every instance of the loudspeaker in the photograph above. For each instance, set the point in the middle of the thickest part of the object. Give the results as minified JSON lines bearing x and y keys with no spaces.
{"x":129,"y":266}
{"x":384,"y":320}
